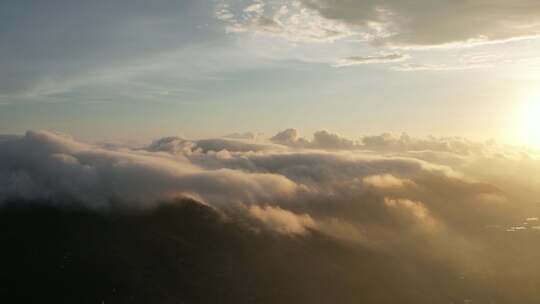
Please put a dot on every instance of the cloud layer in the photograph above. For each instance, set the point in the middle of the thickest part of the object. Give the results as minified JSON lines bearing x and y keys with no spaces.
{"x":293,"y":184}
{"x":47,"y":166}
{"x":379,"y":196}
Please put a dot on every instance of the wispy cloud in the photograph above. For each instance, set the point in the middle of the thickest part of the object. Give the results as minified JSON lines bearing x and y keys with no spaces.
{"x":380,"y":58}
{"x":408,"y":67}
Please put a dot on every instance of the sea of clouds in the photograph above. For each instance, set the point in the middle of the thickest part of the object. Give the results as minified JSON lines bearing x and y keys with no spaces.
{"x":347,"y":188}
{"x":446,"y":201}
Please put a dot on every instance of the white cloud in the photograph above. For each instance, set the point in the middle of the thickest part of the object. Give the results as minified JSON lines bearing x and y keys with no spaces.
{"x":282,"y":221}
{"x":289,"y":137}
{"x":45,"y":166}
{"x":321,"y":139}
{"x":408,"y":67}
{"x":387,"y":181}
{"x":286,"y":19}
{"x":245,"y":135}
{"x":330,"y":184}
{"x":416,"y":210}
{"x":380,"y":58}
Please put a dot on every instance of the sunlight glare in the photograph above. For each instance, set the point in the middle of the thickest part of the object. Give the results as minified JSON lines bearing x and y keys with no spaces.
{"x":529,"y":120}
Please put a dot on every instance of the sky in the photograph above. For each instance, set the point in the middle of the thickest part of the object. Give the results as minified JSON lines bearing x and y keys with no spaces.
{"x":374,"y":151}
{"x":137,"y":70}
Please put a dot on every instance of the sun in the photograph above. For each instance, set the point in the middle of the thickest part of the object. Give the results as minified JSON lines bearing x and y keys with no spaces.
{"x":529,"y":121}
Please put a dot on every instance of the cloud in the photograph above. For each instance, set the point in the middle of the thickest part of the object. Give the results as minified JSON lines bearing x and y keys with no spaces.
{"x":321,"y":139}
{"x":424,"y":23}
{"x":178,"y":145}
{"x":46,"y":166}
{"x":326,"y":140}
{"x":245,"y":135}
{"x":289,"y":137}
{"x":329,"y":192}
{"x":281,"y":220}
{"x":380,"y":58}
{"x":385,"y":181}
{"x":408,"y":67}
{"x":412,"y":212}
{"x":330,"y":184}
{"x":393,"y":23}
{"x":385,"y":142}
{"x":404,"y":142}
{"x":289,"y":20}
